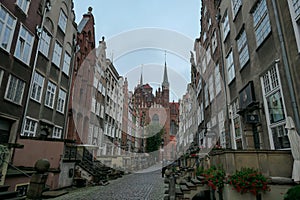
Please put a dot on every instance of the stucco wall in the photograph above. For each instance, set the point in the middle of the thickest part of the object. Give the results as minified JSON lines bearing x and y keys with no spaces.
{"x":37,"y":149}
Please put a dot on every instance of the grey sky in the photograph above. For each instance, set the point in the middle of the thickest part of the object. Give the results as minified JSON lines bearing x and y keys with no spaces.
{"x":173,"y":22}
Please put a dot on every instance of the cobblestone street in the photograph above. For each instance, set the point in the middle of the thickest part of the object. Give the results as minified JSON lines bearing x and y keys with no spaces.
{"x":138,"y":186}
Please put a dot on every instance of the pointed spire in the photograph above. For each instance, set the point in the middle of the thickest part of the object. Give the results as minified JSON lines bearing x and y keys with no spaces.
{"x":165,"y":83}
{"x":141,"y":79}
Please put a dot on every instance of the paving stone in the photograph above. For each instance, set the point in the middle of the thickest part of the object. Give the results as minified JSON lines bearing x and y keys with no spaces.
{"x":138,"y":186}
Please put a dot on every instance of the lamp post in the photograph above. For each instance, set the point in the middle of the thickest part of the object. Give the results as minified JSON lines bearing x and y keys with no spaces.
{"x":162,"y":158}
{"x":162,"y":149}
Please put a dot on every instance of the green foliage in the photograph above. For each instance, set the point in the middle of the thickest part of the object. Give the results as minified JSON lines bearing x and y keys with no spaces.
{"x":153,"y":133}
{"x":214,"y":176}
{"x":199,"y":171}
{"x":293,"y":193}
{"x":249,"y":180}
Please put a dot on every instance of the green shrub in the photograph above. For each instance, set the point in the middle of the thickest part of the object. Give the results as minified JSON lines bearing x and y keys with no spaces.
{"x":293,"y":193}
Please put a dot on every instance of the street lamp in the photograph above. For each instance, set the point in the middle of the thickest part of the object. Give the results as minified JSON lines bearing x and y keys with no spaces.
{"x":162,"y":158}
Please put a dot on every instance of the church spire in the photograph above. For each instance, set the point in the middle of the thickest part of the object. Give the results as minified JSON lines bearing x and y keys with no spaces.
{"x":165,"y":84}
{"x":141,"y":79}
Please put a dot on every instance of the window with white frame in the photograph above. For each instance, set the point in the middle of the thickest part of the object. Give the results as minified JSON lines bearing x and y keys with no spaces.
{"x":93,"y":107}
{"x":57,"y":132}
{"x":23,"y":4}
{"x":14,"y":90}
{"x":30,"y":127}
{"x":296,"y":6}
{"x":50,"y":94}
{"x":211,"y":87}
{"x":226,"y":27}
{"x":91,"y":133}
{"x":67,"y":62}
{"x":236,"y":4}
{"x":57,"y":54}
{"x":1,"y":76}
{"x":243,"y":48}
{"x":62,"y":21}
{"x":98,"y":109}
{"x":208,"y":23}
{"x":230,"y":67}
{"x":203,"y":64}
{"x":217,"y":79}
{"x":204,"y":36}
{"x":37,"y":89}
{"x":7,"y":27}
{"x":24,"y":45}
{"x":45,"y":43}
{"x":61,"y":101}
{"x":96,"y":81}
{"x":236,"y":123}
{"x":222,"y":128}
{"x":214,"y":42}
{"x":275,"y":108}
{"x":199,"y":86}
{"x":198,"y":116}
{"x":208,"y":54}
{"x":206,"y":95}
{"x":261,"y":21}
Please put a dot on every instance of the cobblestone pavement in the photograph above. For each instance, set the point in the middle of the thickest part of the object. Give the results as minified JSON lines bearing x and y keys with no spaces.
{"x":138,"y":186}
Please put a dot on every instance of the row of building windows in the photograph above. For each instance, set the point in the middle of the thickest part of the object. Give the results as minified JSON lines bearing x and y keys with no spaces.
{"x":26,"y":39}
{"x":37,"y":90}
{"x":57,"y":52}
{"x":262,"y":27}
{"x":30,"y":129}
{"x":15,"y":90}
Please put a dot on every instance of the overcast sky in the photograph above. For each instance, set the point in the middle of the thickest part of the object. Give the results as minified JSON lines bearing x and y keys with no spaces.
{"x":138,"y":32}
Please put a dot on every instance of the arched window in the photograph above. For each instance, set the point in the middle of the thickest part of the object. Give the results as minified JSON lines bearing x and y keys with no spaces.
{"x":155,"y":119}
{"x":173,"y":128}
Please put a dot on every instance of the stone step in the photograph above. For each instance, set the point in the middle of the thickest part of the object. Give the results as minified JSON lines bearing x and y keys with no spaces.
{"x":4,"y":188}
{"x":185,"y":189}
{"x":201,"y":178}
{"x":191,"y":186}
{"x":8,"y":195}
{"x":196,"y":181}
{"x":53,"y":194}
{"x":178,"y":192}
{"x":18,"y":198}
{"x":183,"y":182}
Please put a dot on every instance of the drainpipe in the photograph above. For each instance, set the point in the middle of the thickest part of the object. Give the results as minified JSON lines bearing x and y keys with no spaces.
{"x":39,"y":31}
{"x":286,"y":68}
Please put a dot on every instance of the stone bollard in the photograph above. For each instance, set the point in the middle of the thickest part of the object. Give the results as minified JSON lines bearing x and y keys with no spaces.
{"x":172,"y":192}
{"x":38,"y":179}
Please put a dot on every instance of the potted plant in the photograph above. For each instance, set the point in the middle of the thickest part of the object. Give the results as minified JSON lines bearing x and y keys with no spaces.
{"x":214,"y":178}
{"x":249,"y":180}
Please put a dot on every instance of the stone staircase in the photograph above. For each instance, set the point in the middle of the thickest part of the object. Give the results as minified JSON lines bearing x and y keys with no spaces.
{"x":100,"y":172}
{"x":97,"y":170}
{"x":5,"y":194}
{"x":186,"y":188}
